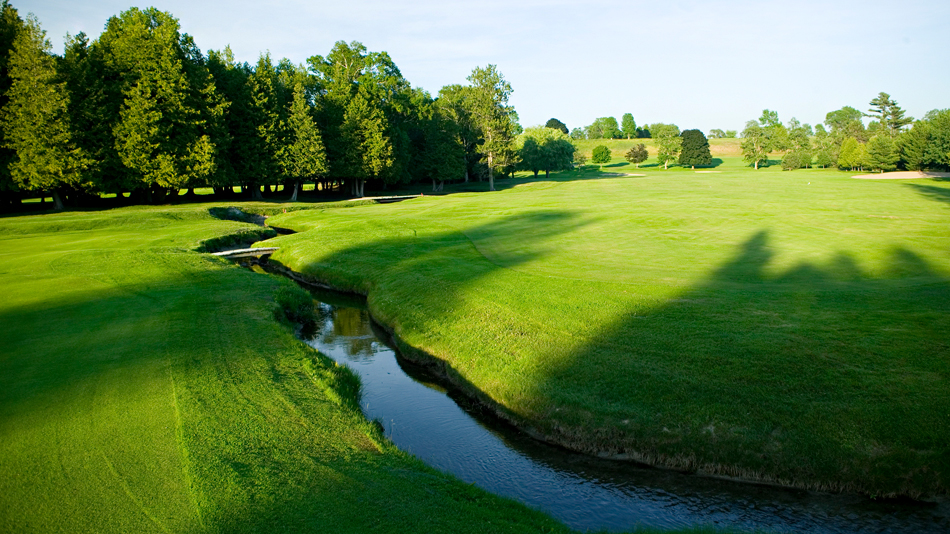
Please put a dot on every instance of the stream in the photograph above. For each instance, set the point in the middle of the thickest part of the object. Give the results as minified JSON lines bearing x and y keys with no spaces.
{"x":423,"y":417}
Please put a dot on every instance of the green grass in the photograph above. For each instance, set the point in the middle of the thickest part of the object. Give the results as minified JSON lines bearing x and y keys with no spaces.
{"x":145,"y":387}
{"x":781,"y":326}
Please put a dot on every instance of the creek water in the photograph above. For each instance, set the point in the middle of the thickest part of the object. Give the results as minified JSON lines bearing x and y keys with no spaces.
{"x":428,"y":420}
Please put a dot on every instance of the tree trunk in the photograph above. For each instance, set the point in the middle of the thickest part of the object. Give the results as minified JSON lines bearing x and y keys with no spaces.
{"x":433,"y":186}
{"x":547,"y":174}
{"x":57,"y":200}
{"x":256,"y":193}
{"x":466,"y":174}
{"x":756,"y":164}
{"x":293,"y":198}
{"x":491,"y":174}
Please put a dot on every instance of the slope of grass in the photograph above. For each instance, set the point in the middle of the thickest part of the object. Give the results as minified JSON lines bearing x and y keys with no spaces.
{"x":147,"y":388}
{"x":781,"y":326}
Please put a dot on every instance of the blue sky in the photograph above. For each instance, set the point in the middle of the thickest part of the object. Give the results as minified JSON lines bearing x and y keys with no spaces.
{"x":712,"y":64}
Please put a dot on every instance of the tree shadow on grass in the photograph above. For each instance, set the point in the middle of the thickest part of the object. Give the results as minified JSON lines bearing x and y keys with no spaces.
{"x":821,"y":376}
{"x":940,"y":194}
{"x":260,"y":438}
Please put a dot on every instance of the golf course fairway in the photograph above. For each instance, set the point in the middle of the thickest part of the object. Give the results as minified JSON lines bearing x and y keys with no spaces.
{"x":783,"y":327}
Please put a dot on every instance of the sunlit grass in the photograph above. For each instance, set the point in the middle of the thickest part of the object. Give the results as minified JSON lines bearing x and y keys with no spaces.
{"x":784,"y":326}
{"x":145,"y":387}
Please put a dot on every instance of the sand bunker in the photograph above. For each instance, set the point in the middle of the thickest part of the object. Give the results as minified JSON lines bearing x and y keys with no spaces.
{"x":902,"y":175}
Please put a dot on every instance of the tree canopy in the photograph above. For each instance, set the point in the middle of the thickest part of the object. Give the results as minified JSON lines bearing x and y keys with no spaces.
{"x":637,"y":154}
{"x":557,"y":125}
{"x":695,"y":149}
{"x":600,"y":155}
{"x":604,"y":128}
{"x":668,"y":142}
{"x":547,"y":149}
{"x":628,"y":126}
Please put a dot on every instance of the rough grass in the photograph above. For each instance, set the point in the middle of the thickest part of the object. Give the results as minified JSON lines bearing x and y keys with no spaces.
{"x":145,"y":387}
{"x":781,"y":326}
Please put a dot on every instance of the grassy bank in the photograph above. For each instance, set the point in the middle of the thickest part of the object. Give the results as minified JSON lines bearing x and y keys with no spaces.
{"x":147,"y":388}
{"x":788,"y":327}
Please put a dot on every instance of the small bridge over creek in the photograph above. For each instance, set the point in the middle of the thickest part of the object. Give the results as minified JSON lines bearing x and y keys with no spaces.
{"x":246,"y":252}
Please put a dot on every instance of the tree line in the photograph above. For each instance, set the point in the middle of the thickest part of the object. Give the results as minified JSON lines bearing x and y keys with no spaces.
{"x":891,"y":141}
{"x":141,"y":111}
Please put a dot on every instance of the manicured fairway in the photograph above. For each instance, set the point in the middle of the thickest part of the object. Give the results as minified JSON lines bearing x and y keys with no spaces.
{"x":782,"y":326}
{"x":147,"y":388}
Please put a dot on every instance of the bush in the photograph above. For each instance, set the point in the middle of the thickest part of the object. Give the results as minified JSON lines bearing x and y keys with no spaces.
{"x":601,"y":155}
{"x":795,"y":160}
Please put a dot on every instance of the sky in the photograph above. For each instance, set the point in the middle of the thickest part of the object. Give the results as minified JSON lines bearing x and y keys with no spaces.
{"x":709,"y":64}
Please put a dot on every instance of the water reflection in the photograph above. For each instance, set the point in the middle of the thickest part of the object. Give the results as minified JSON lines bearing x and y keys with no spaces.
{"x":585,"y":493}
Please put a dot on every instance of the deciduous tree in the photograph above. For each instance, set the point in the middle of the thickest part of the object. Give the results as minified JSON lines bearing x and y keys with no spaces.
{"x":668,"y":142}
{"x":628,"y":125}
{"x":490,"y":110}
{"x":600,"y":155}
{"x":754,"y":144}
{"x":604,"y":128}
{"x":637,"y":154}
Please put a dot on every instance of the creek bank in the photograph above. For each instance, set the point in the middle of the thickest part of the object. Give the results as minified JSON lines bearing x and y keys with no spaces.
{"x":564,"y":437}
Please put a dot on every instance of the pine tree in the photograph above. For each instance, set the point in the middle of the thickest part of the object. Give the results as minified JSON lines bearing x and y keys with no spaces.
{"x":695,"y":149}
{"x":882,"y":155}
{"x":890,"y":117}
{"x":10,"y":24}
{"x":304,"y":155}
{"x":162,"y":135}
{"x":35,"y":119}
{"x":365,"y":131}
{"x":912,"y":146}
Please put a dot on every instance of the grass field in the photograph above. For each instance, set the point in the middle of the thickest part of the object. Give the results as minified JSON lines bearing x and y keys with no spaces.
{"x":147,"y":388}
{"x":780,"y":326}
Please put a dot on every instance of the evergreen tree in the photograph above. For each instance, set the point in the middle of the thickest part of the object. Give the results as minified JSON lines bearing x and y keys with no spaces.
{"x":160,"y":129}
{"x":303,"y":156}
{"x":628,"y":125}
{"x":912,"y":146}
{"x":637,"y":154}
{"x":695,"y":149}
{"x":882,"y":155}
{"x":890,"y":117}
{"x":365,"y":130}
{"x":10,"y":25}
{"x":557,"y":125}
{"x":937,"y":154}
{"x":35,"y":119}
